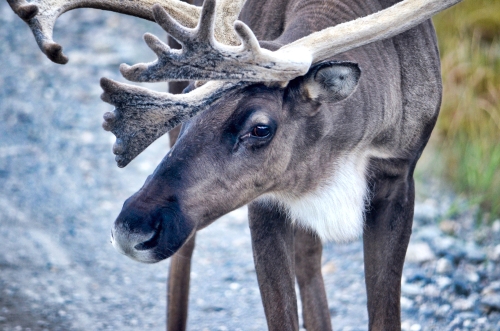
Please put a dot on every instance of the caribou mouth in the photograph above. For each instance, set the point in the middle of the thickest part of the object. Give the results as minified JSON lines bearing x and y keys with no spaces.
{"x":152,"y":242}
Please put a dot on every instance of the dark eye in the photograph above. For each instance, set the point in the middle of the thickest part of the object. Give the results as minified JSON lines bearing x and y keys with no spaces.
{"x":261,"y":131}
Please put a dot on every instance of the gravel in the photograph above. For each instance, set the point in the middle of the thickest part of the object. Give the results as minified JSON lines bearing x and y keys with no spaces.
{"x":60,"y":191}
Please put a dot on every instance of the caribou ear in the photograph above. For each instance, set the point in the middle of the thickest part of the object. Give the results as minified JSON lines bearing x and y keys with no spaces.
{"x":330,"y":81}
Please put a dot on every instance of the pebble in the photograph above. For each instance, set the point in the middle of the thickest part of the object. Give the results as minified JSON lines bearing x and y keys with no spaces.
{"x":474,"y":253}
{"x":491,"y":301}
{"x":495,"y":226}
{"x":426,"y":212}
{"x":411,"y":290}
{"x":419,"y":252}
{"x":406,"y":304}
{"x":463,"y":304}
{"x":495,"y":253}
{"x":444,"y":266}
{"x":442,"y":311}
{"x":449,"y":227}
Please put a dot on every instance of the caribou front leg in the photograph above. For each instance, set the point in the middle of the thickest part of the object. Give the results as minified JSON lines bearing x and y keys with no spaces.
{"x":180,"y":266}
{"x":308,"y":249}
{"x":273,"y":250}
{"x":386,"y":236}
{"x":178,"y":287}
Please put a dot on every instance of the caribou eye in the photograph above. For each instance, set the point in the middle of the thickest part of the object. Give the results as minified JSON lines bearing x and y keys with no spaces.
{"x":261,"y":131}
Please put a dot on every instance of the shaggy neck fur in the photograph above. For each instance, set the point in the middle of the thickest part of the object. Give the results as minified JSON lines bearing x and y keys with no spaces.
{"x":335,"y":211}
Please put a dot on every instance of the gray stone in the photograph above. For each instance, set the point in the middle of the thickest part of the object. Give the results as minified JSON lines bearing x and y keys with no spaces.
{"x":428,"y":232}
{"x":406,"y":304}
{"x":491,"y":301}
{"x":426,"y":212}
{"x":443,"y":282}
{"x":494,"y":253}
{"x":419,"y":252}
{"x":444,"y":266}
{"x":463,"y":304}
{"x":443,"y":311}
{"x":411,"y":290}
{"x":474,"y":253}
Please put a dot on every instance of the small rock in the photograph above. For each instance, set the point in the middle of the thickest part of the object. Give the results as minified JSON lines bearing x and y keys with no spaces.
{"x":328,"y":268}
{"x":495,"y":253}
{"x":467,"y":315}
{"x":405,"y":326}
{"x":472,"y":276}
{"x":449,"y":227}
{"x":442,"y":311}
{"x":406,"y":304}
{"x":482,"y":320}
{"x":491,"y":289}
{"x":463,"y":304}
{"x":432,"y":291}
{"x":474,"y":253}
{"x":411,"y":290}
{"x":419,"y":252}
{"x":426,"y":212}
{"x":496,"y":226}
{"x":444,"y":266}
{"x":491,"y":301}
{"x":443,"y":282}
{"x":427,"y":310}
{"x":415,"y":327}
{"x":429,"y":232}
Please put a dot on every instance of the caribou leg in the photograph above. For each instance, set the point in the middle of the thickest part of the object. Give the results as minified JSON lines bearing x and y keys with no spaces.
{"x":180,"y":265}
{"x":273,"y":250}
{"x":386,"y":236}
{"x":308,"y":250}
{"x":178,"y":287}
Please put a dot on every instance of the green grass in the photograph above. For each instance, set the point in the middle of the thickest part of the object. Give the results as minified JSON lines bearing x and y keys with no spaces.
{"x":467,"y":135}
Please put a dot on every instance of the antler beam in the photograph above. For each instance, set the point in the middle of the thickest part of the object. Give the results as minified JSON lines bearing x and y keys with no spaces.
{"x":384,"y":24}
{"x":41,"y":15}
{"x":203,"y":58}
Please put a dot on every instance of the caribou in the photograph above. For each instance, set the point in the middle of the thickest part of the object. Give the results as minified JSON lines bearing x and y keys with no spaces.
{"x":314,"y":113}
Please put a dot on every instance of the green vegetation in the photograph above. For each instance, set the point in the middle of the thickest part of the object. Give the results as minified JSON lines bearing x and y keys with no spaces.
{"x":467,"y":135}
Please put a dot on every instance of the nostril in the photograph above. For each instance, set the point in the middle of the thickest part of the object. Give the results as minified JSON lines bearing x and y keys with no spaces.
{"x":152,"y":242}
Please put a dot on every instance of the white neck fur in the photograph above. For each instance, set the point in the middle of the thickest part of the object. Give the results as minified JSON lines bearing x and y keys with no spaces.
{"x":335,"y":211}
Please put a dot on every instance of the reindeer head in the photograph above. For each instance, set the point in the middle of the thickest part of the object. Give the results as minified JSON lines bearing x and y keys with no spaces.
{"x":255,"y":140}
{"x":261,"y":117}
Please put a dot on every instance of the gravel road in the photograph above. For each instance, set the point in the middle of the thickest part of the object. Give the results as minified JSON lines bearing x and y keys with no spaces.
{"x":60,"y":191}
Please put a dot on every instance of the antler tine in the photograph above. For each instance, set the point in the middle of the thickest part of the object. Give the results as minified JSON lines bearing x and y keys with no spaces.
{"x":248,"y":39}
{"x":141,"y":116}
{"x":41,"y":15}
{"x":205,"y":28}
{"x":23,"y":9}
{"x":204,"y":58}
{"x":156,"y":44}
{"x":171,"y":26}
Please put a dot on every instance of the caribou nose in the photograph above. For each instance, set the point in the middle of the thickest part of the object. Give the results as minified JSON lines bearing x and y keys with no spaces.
{"x":135,"y":234}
